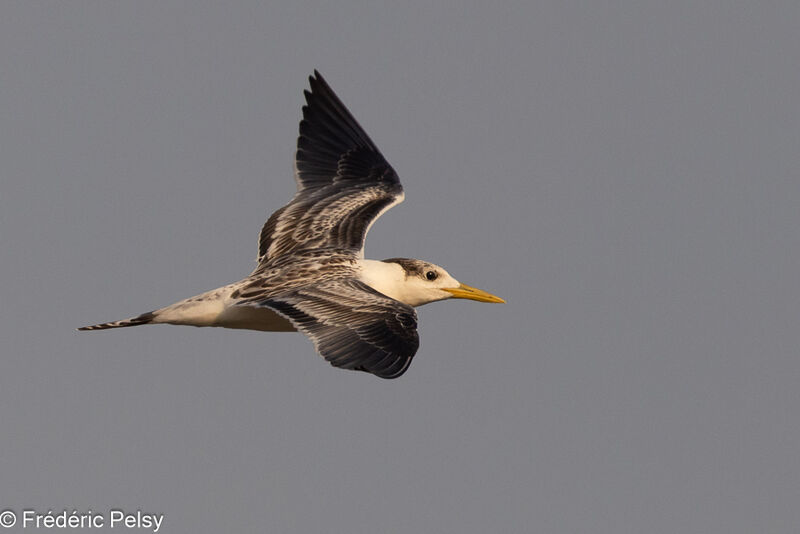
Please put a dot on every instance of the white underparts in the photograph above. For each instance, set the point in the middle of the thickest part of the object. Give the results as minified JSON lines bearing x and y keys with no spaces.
{"x":215,"y":309}
{"x":251,"y":318}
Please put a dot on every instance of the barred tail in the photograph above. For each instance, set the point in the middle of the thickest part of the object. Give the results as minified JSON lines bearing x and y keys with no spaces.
{"x":144,"y":318}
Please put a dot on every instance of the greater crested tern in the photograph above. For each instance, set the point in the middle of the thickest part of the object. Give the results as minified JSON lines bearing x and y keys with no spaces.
{"x":311,"y":274}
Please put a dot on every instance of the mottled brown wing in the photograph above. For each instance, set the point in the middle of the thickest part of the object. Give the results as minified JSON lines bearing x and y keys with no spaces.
{"x":343,"y":182}
{"x":352,"y":325}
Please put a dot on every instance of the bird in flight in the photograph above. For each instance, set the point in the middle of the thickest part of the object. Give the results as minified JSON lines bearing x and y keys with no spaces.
{"x":312,"y":276}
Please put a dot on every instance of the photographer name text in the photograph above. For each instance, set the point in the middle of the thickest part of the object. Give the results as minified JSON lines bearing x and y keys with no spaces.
{"x":113,"y":519}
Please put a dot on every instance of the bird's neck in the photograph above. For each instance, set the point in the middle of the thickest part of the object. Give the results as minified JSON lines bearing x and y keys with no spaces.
{"x":386,"y":278}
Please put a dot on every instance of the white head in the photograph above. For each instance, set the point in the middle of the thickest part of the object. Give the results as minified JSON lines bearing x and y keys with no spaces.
{"x":416,"y":282}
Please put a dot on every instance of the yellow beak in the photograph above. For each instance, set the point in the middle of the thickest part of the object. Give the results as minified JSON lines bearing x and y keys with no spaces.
{"x":465,"y":292}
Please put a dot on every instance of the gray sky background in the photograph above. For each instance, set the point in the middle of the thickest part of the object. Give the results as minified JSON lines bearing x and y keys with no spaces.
{"x":625,"y":173}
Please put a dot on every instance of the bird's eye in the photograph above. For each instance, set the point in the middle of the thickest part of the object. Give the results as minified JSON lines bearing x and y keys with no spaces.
{"x":430,"y":275}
